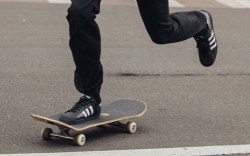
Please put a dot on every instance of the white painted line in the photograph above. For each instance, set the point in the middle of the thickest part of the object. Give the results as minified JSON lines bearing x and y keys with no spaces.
{"x":174,"y":3}
{"x":185,"y":151}
{"x":235,"y":3}
{"x":60,"y":1}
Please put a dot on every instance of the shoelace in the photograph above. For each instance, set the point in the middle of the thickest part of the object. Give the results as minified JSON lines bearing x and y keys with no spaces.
{"x":206,"y":41}
{"x":202,"y":41}
{"x":78,"y":106}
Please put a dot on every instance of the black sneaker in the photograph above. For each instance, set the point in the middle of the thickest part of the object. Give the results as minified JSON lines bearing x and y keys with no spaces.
{"x":85,"y":109}
{"x":206,"y":42}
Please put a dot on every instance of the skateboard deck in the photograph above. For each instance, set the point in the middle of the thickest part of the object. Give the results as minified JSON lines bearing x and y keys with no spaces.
{"x":112,"y":114}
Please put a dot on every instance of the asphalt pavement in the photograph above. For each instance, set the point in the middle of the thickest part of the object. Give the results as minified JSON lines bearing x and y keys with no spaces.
{"x":188,"y":104}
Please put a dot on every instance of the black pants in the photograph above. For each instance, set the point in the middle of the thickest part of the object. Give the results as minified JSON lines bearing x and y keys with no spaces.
{"x":85,"y":38}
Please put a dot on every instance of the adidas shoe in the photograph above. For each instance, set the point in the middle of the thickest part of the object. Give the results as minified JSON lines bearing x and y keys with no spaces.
{"x":206,"y":42}
{"x":85,"y":109}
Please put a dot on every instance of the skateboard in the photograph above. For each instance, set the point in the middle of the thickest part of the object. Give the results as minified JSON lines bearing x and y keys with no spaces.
{"x":112,"y":114}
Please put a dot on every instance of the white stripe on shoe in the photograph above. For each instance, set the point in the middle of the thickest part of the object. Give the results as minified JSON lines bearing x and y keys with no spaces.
{"x":83,"y":114}
{"x":211,"y":37}
{"x":91,"y":109}
{"x":214,"y":46}
{"x":212,"y":41}
{"x":87,"y":111}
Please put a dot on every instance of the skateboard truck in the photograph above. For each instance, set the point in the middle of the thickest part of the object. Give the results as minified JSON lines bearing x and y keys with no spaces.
{"x":47,"y":134}
{"x":130,"y":126}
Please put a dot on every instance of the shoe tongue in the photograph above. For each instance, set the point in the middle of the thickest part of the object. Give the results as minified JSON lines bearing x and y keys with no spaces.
{"x":85,"y":97}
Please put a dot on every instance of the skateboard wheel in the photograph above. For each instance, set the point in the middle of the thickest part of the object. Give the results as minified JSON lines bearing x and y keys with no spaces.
{"x":80,"y":139}
{"x":46,"y":133}
{"x":131,"y":127}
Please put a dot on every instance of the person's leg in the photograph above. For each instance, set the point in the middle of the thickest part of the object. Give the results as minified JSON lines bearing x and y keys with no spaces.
{"x":85,"y":44}
{"x":164,"y":27}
